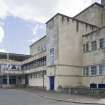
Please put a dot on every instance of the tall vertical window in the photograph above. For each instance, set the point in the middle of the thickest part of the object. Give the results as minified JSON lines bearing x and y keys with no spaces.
{"x":86,"y":71}
{"x":52,"y":56}
{"x":94,"y":45}
{"x":101,"y":43}
{"x":86,"y":47}
{"x":93,"y":70}
{"x":101,"y":69}
{"x":44,"y":47}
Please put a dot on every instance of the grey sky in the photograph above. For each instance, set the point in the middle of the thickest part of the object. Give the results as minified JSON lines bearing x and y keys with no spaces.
{"x":33,"y":13}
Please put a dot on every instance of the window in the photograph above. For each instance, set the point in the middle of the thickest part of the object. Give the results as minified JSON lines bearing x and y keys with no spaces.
{"x":52,"y":56}
{"x":40,"y":74}
{"x":4,"y":80}
{"x":44,"y":47}
{"x":94,"y":45}
{"x":101,"y":43}
{"x":93,"y":70}
{"x":86,"y":47}
{"x":101,"y":85}
{"x":13,"y":67}
{"x":86,"y":71}
{"x":83,"y":47}
{"x":93,"y":85}
{"x":101,"y":69}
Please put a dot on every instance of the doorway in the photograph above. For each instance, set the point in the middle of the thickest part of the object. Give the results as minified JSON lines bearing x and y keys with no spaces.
{"x":51,"y":80}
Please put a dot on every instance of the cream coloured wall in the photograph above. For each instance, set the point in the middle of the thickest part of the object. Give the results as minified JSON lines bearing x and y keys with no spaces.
{"x":66,"y":82}
{"x":86,"y":81}
{"x":38,"y":82}
{"x":70,"y":40}
{"x":104,"y":16}
{"x":97,"y":56}
{"x":93,"y":15}
{"x":65,"y":36}
{"x":94,"y":57}
{"x":68,"y":70}
{"x":39,"y":46}
{"x":5,"y":61}
{"x":52,"y":35}
{"x":67,"y":76}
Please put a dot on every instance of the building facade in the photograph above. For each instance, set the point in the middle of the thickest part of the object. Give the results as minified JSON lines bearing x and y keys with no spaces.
{"x":72,"y":54}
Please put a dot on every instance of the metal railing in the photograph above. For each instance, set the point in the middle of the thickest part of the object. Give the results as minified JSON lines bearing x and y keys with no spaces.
{"x":10,"y":71}
{"x":20,"y":71}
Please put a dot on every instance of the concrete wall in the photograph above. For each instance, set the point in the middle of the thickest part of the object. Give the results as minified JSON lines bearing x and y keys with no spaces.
{"x":94,"y":57}
{"x":97,"y":56}
{"x":38,"y":82}
{"x":65,"y":36}
{"x":39,"y":46}
{"x":70,"y":50}
{"x":5,"y":61}
{"x":67,"y":76}
{"x":70,"y":40}
{"x":64,"y":76}
{"x":86,"y":81}
{"x":52,"y":35}
{"x":104,"y":16}
{"x":66,"y":82}
{"x":93,"y":15}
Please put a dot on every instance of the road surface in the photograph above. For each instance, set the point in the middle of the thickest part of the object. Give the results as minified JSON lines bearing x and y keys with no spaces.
{"x":21,"y":97}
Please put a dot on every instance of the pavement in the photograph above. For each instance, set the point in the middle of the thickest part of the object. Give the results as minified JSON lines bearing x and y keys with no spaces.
{"x":64,"y":97}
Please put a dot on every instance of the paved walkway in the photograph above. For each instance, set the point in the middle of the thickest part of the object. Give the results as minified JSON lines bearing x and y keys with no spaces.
{"x":67,"y":97}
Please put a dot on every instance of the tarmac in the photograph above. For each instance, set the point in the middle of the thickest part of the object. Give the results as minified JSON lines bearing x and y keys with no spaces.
{"x":64,"y":97}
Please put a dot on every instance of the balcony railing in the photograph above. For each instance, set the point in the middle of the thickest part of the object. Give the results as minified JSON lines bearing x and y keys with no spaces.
{"x":10,"y":71}
{"x":28,"y":71}
{"x":19,"y":71}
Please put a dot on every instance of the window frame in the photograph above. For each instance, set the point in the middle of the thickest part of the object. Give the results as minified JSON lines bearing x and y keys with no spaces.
{"x":93,"y":70}
{"x":102,"y":68}
{"x":94,"y":45}
{"x":52,"y":56}
{"x":101,"y":43}
{"x":86,"y":71}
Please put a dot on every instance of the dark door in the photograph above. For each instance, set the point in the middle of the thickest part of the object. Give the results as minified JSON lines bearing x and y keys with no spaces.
{"x":51,"y":79}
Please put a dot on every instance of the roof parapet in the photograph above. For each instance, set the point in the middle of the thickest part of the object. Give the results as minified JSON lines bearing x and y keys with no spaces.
{"x":72,"y":19}
{"x":98,"y":29}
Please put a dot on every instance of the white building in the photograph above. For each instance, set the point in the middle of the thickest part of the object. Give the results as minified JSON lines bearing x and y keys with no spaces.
{"x":72,"y":54}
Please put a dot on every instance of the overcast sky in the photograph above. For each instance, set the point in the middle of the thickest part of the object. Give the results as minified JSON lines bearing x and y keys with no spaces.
{"x":22,"y":21}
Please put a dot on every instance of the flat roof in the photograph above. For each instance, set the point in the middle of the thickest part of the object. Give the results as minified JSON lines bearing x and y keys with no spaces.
{"x":14,"y":56}
{"x":38,"y":40}
{"x":72,"y":19}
